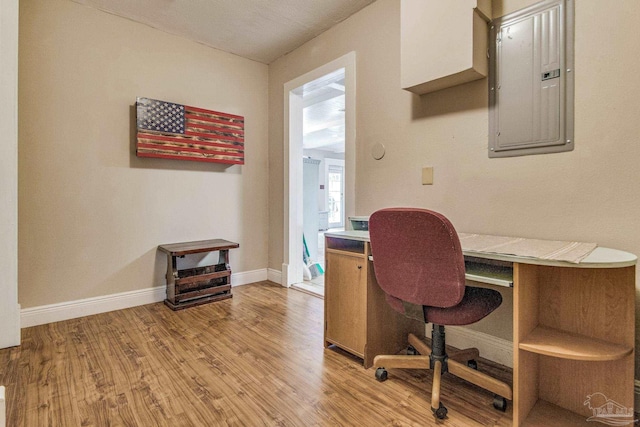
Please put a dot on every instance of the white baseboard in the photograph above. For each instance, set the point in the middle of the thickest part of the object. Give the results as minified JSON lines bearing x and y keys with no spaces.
{"x":284,"y":275}
{"x":493,"y":348}
{"x":10,"y":325}
{"x":41,"y":315}
{"x":246,"y":277}
{"x":274,"y":276}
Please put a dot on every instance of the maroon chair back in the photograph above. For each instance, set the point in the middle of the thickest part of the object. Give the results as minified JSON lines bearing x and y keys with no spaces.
{"x":417,"y":257}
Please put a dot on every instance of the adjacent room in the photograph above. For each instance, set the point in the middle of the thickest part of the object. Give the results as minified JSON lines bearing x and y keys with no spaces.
{"x":228,"y":213}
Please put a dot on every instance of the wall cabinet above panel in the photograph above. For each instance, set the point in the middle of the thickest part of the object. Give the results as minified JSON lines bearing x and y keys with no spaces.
{"x":443,"y":44}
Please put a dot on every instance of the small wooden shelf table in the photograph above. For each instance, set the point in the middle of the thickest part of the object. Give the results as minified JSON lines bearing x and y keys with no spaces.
{"x":200,"y":285}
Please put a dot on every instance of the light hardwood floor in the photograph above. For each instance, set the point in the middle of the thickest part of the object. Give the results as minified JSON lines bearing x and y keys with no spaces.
{"x":254,"y":360}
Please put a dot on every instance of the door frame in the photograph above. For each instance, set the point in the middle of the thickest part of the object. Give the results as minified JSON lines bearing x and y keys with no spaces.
{"x":292,"y":257}
{"x":9,"y":307}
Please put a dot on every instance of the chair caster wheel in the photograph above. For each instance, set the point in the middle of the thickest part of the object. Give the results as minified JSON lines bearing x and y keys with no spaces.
{"x":441,"y":412}
{"x":381,"y":374}
{"x":411,"y":351}
{"x":472,"y":364}
{"x":500,"y":403}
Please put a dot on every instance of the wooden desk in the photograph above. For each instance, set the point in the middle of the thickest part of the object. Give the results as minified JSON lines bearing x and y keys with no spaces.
{"x":357,"y":318}
{"x":574,"y":324}
{"x":200,"y":285}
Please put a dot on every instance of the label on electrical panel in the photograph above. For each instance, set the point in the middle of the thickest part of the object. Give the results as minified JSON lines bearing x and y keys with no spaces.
{"x":553,"y":74}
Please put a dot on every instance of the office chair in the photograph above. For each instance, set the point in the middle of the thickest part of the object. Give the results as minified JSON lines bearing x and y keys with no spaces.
{"x":418,"y":263}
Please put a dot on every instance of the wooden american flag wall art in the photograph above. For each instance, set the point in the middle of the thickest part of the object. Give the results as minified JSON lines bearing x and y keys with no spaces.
{"x":173,"y":131}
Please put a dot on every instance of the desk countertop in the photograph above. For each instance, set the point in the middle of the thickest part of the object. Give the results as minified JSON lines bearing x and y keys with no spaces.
{"x":599,"y":258}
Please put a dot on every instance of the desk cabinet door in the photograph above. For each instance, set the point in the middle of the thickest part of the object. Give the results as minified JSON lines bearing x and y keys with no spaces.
{"x":345,"y":301}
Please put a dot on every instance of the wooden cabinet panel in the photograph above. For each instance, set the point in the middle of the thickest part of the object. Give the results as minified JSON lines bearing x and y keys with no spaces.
{"x":357,"y":316}
{"x":345,"y":301}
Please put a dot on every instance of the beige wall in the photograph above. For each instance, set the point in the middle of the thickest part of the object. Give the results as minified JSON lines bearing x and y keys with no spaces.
{"x":589,"y":194}
{"x":91,"y":214}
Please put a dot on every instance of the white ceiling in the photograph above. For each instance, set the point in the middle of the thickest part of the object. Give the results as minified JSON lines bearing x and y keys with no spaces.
{"x":262,"y":30}
{"x":323,"y":115}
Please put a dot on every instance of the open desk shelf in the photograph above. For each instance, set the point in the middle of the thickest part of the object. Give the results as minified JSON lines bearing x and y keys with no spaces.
{"x":566,"y":345}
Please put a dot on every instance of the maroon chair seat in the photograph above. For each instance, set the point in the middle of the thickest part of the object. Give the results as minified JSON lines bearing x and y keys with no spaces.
{"x":476,"y":304}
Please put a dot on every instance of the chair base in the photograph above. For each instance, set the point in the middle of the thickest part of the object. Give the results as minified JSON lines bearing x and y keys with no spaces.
{"x":438,"y":360}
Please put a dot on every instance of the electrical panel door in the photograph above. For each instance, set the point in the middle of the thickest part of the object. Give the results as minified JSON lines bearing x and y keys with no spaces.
{"x":531,"y":81}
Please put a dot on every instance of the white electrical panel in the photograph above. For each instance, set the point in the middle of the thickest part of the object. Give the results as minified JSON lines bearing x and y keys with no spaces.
{"x":531,"y":81}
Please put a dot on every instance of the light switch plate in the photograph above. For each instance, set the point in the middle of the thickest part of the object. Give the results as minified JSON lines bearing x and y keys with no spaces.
{"x":427,"y":176}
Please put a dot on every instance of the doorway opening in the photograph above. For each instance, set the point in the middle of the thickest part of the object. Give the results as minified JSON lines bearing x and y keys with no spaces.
{"x":323,"y":146}
{"x":319,"y":167}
